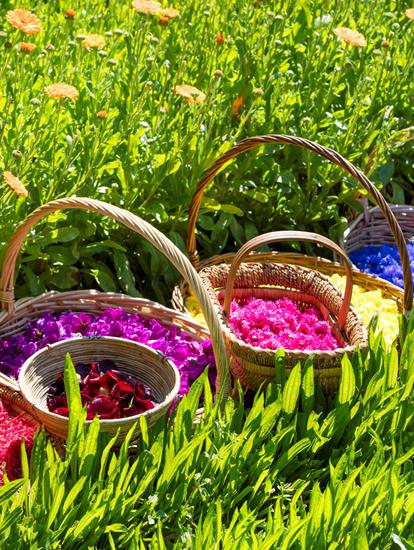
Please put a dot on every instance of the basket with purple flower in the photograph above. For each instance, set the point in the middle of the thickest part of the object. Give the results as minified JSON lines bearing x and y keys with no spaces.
{"x":32,"y":323}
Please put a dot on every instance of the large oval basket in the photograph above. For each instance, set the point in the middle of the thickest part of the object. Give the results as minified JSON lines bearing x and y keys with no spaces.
{"x":15,"y":315}
{"x":388,"y":290}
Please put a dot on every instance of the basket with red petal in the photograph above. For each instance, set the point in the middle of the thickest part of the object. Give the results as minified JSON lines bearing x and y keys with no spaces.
{"x":120,"y":380}
{"x":18,"y":317}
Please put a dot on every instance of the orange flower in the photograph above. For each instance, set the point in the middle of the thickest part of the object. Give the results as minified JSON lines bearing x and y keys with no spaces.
{"x":27,"y":46}
{"x":385,"y":43}
{"x":102,"y":115}
{"x":220,"y":38}
{"x":24,"y":21}
{"x":164,"y":20}
{"x":60,"y":90}
{"x":164,"y":109}
{"x":349,"y":36}
{"x":410,"y":13}
{"x":149,"y":7}
{"x":14,"y":183}
{"x":172,"y":13}
{"x":70,"y":13}
{"x":191,"y":93}
{"x":93,"y":41}
{"x":238,"y":104}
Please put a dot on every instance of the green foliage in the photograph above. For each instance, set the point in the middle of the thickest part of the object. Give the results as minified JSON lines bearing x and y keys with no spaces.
{"x":293,"y":471}
{"x":294,"y":75}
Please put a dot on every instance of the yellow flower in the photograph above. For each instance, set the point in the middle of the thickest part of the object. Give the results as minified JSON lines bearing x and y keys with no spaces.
{"x":350,"y":36}
{"x":170,"y":12}
{"x":14,"y":183}
{"x":93,"y":41}
{"x":410,"y":13}
{"x":369,"y":303}
{"x":24,"y":20}
{"x":149,"y":7}
{"x":60,"y":90}
{"x":191,"y":93}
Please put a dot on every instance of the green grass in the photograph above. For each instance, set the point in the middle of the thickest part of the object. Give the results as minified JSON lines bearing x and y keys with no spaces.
{"x":150,"y":152}
{"x":293,"y":471}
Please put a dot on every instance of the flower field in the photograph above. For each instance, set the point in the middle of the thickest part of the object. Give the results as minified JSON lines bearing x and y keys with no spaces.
{"x":130,"y":102}
{"x":131,"y":132}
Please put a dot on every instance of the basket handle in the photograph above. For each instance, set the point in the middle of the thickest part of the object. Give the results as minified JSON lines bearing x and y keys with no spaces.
{"x":282,"y":236}
{"x":146,"y":230}
{"x":325,"y":152}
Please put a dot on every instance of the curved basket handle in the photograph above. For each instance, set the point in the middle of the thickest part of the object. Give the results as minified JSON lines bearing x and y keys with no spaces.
{"x":146,"y":230}
{"x":325,"y":152}
{"x":282,"y":236}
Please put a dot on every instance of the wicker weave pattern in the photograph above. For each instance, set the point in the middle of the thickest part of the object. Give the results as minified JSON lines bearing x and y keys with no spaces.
{"x":143,"y":363}
{"x":370,"y":227}
{"x":253,"y":365}
{"x":325,"y":152}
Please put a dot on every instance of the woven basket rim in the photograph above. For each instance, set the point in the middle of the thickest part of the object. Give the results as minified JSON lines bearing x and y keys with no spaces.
{"x":362,"y":217}
{"x":106,"y":422}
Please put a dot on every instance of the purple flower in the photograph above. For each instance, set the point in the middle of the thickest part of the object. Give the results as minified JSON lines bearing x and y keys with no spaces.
{"x":190,"y":356}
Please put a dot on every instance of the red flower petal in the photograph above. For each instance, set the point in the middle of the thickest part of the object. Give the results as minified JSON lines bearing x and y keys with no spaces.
{"x":13,"y":458}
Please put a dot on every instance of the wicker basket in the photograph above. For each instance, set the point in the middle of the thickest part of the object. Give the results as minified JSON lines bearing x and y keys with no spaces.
{"x":403,"y":299}
{"x":146,"y":365}
{"x":371,"y":228}
{"x":253,"y":365}
{"x":15,"y":315}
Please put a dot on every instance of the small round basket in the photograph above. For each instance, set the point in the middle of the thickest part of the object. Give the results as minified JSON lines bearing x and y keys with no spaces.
{"x":389,"y":217}
{"x":144,"y":364}
{"x":253,"y":365}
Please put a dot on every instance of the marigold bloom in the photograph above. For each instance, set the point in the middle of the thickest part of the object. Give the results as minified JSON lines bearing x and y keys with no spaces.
{"x":164,"y":20}
{"x":385,"y":44}
{"x":410,"y":13}
{"x":350,"y":36}
{"x":220,"y":38}
{"x":102,"y":115}
{"x":27,"y":46}
{"x":93,"y":41}
{"x":149,"y":7}
{"x":237,"y":105}
{"x":191,"y":93}
{"x":70,"y":13}
{"x":60,"y":90}
{"x":15,"y":184}
{"x":24,"y":20}
{"x":172,"y":13}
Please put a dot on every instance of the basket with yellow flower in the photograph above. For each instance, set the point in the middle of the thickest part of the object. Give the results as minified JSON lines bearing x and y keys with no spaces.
{"x":402,"y":299}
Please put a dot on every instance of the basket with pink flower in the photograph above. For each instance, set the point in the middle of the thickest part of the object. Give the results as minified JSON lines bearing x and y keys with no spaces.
{"x":33,"y":323}
{"x":266,"y":306}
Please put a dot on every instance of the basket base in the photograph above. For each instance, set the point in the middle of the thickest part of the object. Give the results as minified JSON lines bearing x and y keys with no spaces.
{"x":252,"y":376}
